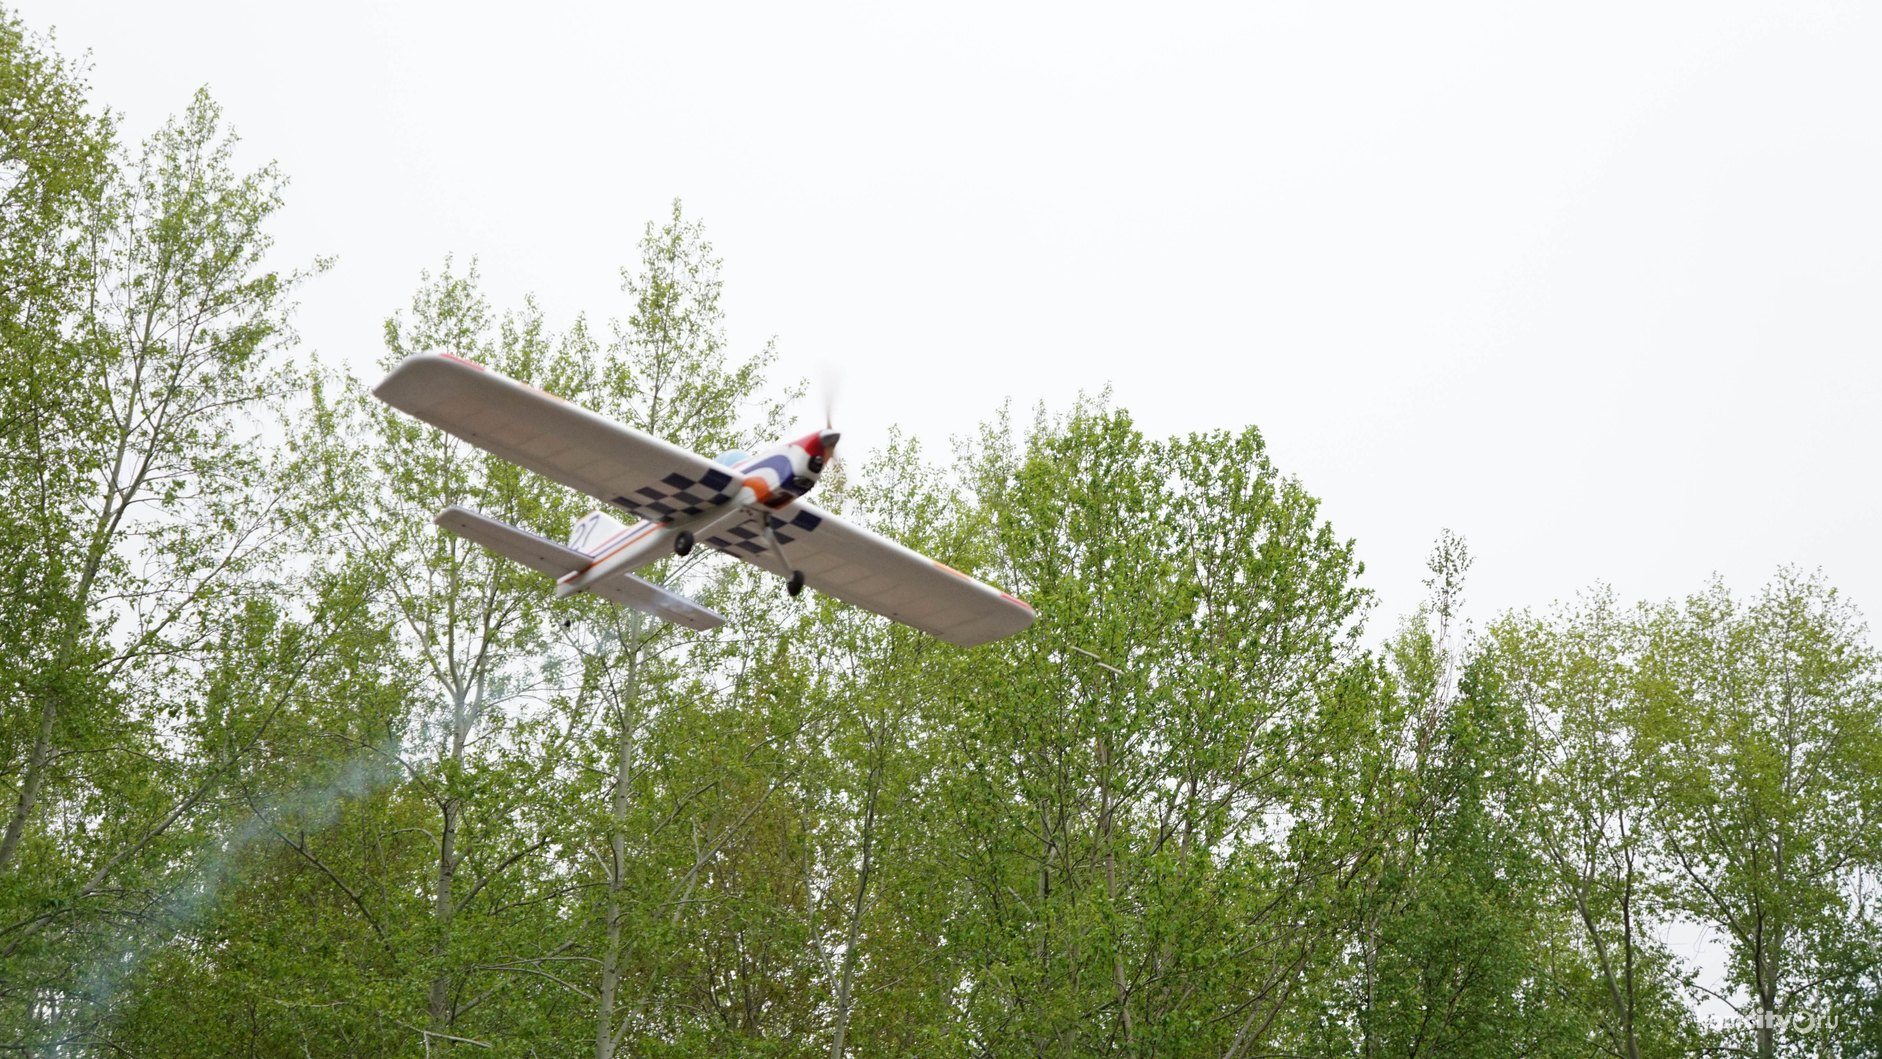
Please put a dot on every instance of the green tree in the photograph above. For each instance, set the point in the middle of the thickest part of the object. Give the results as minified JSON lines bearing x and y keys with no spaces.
{"x":1759,"y":730}
{"x":483,"y":752}
{"x":668,"y":373}
{"x":1591,"y":816}
{"x":147,"y":520}
{"x":56,"y":159}
{"x":1125,"y":832}
{"x":1456,"y":951}
{"x":874,"y":858}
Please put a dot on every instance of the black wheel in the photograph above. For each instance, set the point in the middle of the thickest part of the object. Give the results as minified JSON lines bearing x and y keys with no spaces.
{"x":683,"y":544}
{"x":795,"y":584}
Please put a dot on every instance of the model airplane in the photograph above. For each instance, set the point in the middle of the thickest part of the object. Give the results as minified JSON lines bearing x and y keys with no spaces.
{"x":749,"y":507}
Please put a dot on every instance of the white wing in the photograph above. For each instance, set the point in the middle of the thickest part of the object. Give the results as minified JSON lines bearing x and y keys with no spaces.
{"x":844,"y":560}
{"x":617,"y":465}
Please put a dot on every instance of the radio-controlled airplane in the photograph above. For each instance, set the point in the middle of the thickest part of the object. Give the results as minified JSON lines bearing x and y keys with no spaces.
{"x":750,"y":507}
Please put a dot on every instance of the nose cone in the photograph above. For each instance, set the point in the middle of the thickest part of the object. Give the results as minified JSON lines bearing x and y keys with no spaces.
{"x":819,"y":444}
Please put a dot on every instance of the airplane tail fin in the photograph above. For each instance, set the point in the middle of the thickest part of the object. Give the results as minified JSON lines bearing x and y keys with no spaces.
{"x":593,"y":530}
{"x":546,"y":556}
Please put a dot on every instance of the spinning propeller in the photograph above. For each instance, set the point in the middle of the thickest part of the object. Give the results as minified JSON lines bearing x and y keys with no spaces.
{"x":830,"y":384}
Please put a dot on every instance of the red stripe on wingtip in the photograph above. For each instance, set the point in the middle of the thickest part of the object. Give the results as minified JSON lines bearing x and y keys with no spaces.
{"x":461,"y":360}
{"x":943,"y":566}
{"x":1015,"y":599}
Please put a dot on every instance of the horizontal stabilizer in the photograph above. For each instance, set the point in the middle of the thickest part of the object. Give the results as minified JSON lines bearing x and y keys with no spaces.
{"x":546,"y":556}
{"x":537,"y":553}
{"x":626,"y":590}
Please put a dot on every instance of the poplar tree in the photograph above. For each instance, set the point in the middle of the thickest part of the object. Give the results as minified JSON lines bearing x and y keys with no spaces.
{"x":145,"y":332}
{"x":1759,"y":728}
{"x":669,"y":373}
{"x":1590,"y":817}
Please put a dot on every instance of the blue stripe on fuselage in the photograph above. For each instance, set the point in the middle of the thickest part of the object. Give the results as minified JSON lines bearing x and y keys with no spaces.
{"x":779,"y":463}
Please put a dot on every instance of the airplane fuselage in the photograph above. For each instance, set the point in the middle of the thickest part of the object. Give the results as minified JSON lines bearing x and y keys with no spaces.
{"x":771,"y":479}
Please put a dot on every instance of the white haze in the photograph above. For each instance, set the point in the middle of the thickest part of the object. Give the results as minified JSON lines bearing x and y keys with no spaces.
{"x":1594,"y":286}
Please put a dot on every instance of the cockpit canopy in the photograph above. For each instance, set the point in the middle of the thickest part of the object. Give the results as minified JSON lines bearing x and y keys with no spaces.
{"x":732,"y":457}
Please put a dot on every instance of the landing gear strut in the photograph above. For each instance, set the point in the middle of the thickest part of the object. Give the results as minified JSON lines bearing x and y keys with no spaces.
{"x":683,"y":544}
{"x":796,"y":583}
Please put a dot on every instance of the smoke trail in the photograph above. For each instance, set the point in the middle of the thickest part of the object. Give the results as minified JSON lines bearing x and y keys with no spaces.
{"x":312,"y":810}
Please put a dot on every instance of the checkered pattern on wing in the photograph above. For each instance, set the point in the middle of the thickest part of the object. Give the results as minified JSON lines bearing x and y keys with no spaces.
{"x":676,"y":494}
{"x":742,"y":536}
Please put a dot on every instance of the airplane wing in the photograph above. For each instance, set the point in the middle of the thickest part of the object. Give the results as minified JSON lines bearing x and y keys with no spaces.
{"x":857,"y":566}
{"x":544,"y":555}
{"x":617,"y":465}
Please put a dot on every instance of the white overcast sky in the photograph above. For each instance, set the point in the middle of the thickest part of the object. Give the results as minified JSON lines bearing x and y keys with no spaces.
{"x":1594,"y":285}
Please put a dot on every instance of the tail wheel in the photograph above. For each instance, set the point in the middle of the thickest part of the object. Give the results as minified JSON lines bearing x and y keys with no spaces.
{"x":683,"y":544}
{"x":795,"y":584}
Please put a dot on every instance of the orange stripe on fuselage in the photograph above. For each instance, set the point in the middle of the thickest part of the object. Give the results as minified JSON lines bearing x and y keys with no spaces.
{"x":651,"y":526}
{"x":618,"y":534}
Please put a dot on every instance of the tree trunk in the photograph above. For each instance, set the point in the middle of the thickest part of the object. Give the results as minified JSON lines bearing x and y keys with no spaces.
{"x":35,"y":778}
{"x":444,"y":906}
{"x":847,"y":980}
{"x":1622,"y":1005}
{"x":439,"y":1005}
{"x":41,"y":758}
{"x":605,"y":1033}
{"x":1106,"y":826}
{"x":1767,"y":993}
